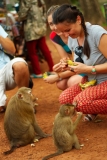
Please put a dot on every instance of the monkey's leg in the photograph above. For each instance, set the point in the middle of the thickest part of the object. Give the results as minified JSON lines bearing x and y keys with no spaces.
{"x":39,"y":131}
{"x":76,"y":142}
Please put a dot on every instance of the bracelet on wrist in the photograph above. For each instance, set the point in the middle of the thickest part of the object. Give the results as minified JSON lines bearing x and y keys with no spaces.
{"x":93,"y":70}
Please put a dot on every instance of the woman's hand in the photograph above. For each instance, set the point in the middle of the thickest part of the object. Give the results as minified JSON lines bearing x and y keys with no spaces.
{"x":57,"y":67}
{"x":79,"y":68}
{"x":61,"y":66}
{"x":64,"y":60}
{"x":51,"y":79}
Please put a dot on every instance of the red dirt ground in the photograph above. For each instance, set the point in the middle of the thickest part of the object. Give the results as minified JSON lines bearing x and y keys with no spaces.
{"x":92,"y":135}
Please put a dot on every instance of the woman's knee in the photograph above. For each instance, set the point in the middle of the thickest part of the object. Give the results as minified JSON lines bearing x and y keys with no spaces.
{"x":20,"y":66}
{"x":62,"y":85}
{"x":74,"y":80}
{"x":21,"y":74}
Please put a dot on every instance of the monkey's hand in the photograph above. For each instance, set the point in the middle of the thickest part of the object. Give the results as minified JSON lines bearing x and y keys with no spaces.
{"x":79,"y":114}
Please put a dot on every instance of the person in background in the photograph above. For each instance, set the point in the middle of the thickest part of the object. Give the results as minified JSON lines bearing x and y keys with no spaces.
{"x":11,"y":71}
{"x":33,"y":15}
{"x":89,"y":43}
{"x":63,"y":79}
{"x":58,"y":39}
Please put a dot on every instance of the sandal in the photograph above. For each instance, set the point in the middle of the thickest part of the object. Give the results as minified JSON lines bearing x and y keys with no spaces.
{"x":90,"y":117}
{"x":50,"y":73}
{"x":2,"y":109}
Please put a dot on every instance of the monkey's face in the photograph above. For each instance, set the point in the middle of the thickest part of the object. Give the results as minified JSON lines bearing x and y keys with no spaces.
{"x":34,"y":99}
{"x":72,"y":111}
{"x":25,"y":94}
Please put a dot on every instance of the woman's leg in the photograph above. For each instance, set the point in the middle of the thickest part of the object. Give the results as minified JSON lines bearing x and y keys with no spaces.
{"x":21,"y":74}
{"x":31,"y":47}
{"x":45,"y":50}
{"x":93,"y":100}
{"x":68,"y":95}
{"x":11,"y":75}
{"x":62,"y":85}
{"x":68,"y":82}
{"x":16,"y":74}
{"x":75,"y":79}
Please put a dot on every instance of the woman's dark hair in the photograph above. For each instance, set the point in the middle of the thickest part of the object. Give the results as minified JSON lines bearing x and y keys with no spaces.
{"x":68,"y":13}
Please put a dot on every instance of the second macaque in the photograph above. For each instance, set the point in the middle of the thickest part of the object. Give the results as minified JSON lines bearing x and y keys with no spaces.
{"x":64,"y":130}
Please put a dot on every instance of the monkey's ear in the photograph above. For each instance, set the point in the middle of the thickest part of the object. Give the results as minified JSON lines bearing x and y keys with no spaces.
{"x":20,"y":96}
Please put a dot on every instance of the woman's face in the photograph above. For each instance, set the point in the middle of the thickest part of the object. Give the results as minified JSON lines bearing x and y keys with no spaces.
{"x":73,"y":30}
{"x":52,"y":26}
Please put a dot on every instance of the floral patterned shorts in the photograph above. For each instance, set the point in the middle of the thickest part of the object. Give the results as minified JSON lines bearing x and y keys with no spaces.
{"x":92,"y":100}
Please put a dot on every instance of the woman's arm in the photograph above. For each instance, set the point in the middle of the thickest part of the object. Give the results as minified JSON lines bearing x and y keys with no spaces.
{"x":61,"y":51}
{"x":103,"y":45}
{"x":102,"y":68}
{"x":65,"y":74}
{"x":58,"y":76}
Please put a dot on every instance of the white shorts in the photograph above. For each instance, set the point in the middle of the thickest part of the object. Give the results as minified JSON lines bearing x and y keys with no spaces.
{"x":7,"y":79}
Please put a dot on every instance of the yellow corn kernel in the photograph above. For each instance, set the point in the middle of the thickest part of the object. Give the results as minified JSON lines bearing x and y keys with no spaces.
{"x":45,"y":75}
{"x":71,"y":63}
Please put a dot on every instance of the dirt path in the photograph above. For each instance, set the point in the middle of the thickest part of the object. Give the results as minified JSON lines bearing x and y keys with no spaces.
{"x":92,"y":135}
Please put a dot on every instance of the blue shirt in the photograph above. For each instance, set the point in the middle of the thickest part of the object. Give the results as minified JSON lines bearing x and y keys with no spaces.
{"x":4,"y":59}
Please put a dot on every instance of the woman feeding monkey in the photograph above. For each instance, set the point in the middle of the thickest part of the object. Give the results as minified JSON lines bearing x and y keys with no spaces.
{"x":89,"y":43}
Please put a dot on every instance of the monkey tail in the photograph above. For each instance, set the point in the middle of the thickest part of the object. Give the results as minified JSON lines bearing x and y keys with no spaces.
{"x":53,"y":155}
{"x":10,"y":151}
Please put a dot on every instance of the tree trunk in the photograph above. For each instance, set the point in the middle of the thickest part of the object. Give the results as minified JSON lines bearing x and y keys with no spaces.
{"x":49,"y":3}
{"x":92,"y":12}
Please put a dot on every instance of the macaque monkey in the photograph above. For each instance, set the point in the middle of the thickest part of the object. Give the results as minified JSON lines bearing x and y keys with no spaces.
{"x":20,"y":124}
{"x":63,"y":130}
